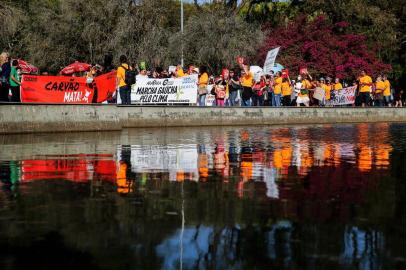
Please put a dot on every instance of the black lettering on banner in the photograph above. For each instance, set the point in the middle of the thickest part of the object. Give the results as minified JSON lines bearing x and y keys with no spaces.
{"x":146,"y":90}
{"x":48,"y":86}
{"x":62,"y":86}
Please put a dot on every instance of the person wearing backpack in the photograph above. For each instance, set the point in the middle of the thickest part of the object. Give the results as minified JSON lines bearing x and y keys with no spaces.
{"x":125,"y":79}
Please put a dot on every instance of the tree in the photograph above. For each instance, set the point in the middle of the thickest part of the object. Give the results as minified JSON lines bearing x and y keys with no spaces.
{"x":323,"y":47}
{"x":11,"y":22}
{"x":215,"y":38}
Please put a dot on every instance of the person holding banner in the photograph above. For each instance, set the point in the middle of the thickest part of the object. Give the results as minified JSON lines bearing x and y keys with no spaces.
{"x":365,"y":84}
{"x":123,"y":88}
{"x":15,"y":82}
{"x":337,"y":85}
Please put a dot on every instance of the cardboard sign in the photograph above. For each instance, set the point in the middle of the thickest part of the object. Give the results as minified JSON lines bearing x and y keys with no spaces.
{"x":319,"y":93}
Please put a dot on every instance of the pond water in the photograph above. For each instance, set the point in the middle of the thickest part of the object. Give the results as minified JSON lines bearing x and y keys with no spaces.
{"x":289,"y":197}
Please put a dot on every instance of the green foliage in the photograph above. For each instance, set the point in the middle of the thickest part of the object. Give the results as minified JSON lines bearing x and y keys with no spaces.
{"x":215,"y":39}
{"x":53,"y":33}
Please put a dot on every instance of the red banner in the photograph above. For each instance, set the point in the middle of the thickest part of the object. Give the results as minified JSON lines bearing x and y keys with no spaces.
{"x":106,"y":86}
{"x":60,"y":89}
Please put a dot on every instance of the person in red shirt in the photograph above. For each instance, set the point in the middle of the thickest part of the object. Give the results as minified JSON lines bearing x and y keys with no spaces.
{"x":258,"y":88}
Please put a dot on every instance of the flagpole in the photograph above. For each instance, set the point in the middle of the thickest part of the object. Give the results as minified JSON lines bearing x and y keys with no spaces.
{"x":181,"y":28}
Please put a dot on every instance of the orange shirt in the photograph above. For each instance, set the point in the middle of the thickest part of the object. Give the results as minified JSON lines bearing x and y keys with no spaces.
{"x":203,"y":80}
{"x":327,"y":91}
{"x":286,"y":89}
{"x":386,"y":92}
{"x":247,"y":80}
{"x":365,"y":80}
{"x":277,"y":86}
{"x":180,"y":73}
{"x":338,"y":86}
{"x":121,"y":74}
{"x":379,"y":87}
{"x":306,"y":84}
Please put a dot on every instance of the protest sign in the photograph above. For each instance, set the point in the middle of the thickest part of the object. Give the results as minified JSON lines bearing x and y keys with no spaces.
{"x":303,"y":70}
{"x":270,"y":60}
{"x":342,"y":97}
{"x":165,"y":91}
{"x":319,"y":93}
{"x":257,"y":72}
{"x":285,"y":73}
{"x":240,"y":60}
{"x":60,"y":89}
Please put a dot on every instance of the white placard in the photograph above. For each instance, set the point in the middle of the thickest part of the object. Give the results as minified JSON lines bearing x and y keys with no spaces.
{"x":165,"y":91}
{"x":270,"y":60}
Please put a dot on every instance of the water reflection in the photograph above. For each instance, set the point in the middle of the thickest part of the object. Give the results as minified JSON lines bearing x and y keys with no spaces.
{"x":282,"y":197}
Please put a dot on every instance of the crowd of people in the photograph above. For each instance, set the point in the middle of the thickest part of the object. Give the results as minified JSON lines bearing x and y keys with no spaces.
{"x":233,"y":87}
{"x":241,"y":87}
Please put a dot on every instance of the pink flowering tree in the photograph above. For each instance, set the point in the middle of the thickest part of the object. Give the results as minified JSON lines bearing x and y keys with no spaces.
{"x":324,"y":48}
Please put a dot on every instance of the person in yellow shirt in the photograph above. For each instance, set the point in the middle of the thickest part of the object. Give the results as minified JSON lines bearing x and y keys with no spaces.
{"x":247,"y":81}
{"x":179,"y":71}
{"x":277,"y":90}
{"x":202,"y":85}
{"x":386,"y":91}
{"x":378,"y":94}
{"x":337,"y":85}
{"x":365,"y":83}
{"x":286,"y":92}
{"x":123,"y":88}
{"x":327,"y":90}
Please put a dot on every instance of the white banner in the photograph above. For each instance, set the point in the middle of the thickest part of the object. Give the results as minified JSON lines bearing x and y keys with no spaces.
{"x":342,"y":97}
{"x":270,"y":60}
{"x":165,"y":91}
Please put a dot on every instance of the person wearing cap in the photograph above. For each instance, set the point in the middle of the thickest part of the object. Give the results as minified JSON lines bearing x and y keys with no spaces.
{"x":247,"y":81}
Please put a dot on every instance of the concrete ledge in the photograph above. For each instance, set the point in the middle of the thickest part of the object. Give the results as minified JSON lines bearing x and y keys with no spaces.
{"x":24,"y":118}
